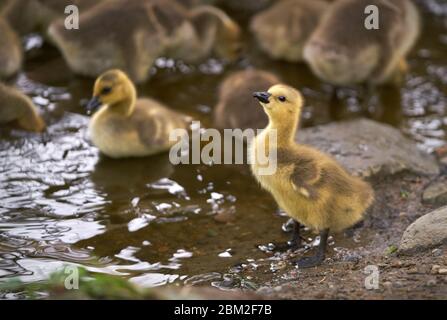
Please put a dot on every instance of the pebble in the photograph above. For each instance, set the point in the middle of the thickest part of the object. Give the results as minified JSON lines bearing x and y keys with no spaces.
{"x":437,"y":252}
{"x":413,"y":271}
{"x":431,"y":283}
{"x":442,"y":271}
{"x":435,"y":268}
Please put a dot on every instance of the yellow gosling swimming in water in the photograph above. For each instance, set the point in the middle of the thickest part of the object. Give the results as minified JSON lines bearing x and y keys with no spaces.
{"x":309,"y":185}
{"x":11,"y":54}
{"x":237,"y":109}
{"x":126,"y":127}
{"x":17,"y":108}
{"x":342,"y":51}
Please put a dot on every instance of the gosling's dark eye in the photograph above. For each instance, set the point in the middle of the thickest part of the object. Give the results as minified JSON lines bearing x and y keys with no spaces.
{"x":282,"y":98}
{"x":106,"y":90}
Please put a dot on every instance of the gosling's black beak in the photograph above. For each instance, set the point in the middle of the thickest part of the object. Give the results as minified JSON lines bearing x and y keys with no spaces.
{"x":262,"y":96}
{"x":93,"y":105}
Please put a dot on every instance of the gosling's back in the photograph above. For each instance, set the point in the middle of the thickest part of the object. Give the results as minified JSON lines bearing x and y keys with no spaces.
{"x":145,"y":132}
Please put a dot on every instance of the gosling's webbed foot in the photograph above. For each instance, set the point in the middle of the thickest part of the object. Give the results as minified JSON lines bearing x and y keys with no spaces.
{"x":318,"y":258}
{"x":295,"y":242}
{"x":309,"y":262}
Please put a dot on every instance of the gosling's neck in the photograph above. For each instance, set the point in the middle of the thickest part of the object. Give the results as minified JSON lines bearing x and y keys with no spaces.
{"x":126,"y":106}
{"x":285,"y":130}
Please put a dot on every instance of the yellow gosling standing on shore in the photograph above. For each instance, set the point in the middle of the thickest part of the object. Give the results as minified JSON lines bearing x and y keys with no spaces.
{"x":126,"y":127}
{"x":342,"y":51}
{"x":11,"y":53}
{"x":17,"y":108}
{"x":309,"y":185}
{"x":282,"y":30}
{"x":236,"y":109}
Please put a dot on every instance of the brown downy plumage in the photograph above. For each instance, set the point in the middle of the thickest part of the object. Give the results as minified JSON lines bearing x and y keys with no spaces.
{"x":127,"y":127}
{"x":11,"y":53}
{"x":27,"y":16}
{"x":343,"y":51}
{"x":131,"y":34}
{"x":236,"y":108}
{"x":309,"y":185}
{"x":16,"y":108}
{"x":282,"y":30}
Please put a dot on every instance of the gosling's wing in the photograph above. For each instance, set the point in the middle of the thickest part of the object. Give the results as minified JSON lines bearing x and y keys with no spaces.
{"x":305,"y":175}
{"x":304,"y":171}
{"x":155,"y":123}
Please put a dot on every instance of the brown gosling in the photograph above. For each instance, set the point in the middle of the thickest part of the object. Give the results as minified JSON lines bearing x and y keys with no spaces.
{"x":309,"y":185}
{"x":11,"y":53}
{"x":236,"y":109}
{"x":342,"y":51}
{"x":214,"y":32}
{"x":17,"y":108}
{"x":27,"y":16}
{"x":282,"y":30}
{"x":126,"y":127}
{"x":131,"y":34}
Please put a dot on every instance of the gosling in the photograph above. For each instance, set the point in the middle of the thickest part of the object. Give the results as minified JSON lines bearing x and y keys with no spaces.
{"x":27,"y":16}
{"x":309,"y":185}
{"x":236,"y":109}
{"x":17,"y":109}
{"x":342,"y":51}
{"x":282,"y":30}
{"x":126,"y":127}
{"x":11,"y":53}
{"x":131,"y":34}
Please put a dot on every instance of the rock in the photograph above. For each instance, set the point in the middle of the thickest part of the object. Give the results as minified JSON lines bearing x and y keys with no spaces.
{"x":436,"y":192}
{"x":368,"y":148}
{"x":426,"y":232}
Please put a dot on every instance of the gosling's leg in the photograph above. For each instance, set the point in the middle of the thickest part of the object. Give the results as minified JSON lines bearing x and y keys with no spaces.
{"x":398,"y":77}
{"x":294,"y":243}
{"x":318,"y":258}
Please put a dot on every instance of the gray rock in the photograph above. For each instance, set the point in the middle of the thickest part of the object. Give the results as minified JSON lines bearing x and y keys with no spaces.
{"x":368,"y":148}
{"x":426,"y":232}
{"x":436,"y":192}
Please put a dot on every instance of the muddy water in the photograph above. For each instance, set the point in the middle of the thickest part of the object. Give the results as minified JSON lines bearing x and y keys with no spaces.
{"x":151,"y":222}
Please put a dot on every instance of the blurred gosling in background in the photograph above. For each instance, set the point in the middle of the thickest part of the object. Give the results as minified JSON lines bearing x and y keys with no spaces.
{"x":132,"y":34}
{"x":27,"y":16}
{"x":126,"y":127}
{"x":11,"y":54}
{"x":18,"y":109}
{"x":342,"y":51}
{"x":282,"y":30}
{"x":236,"y":108}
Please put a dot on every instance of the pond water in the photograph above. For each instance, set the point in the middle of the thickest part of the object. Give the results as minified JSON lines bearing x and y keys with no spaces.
{"x":62,"y":203}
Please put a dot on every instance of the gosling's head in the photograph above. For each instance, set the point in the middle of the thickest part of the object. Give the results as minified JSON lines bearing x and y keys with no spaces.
{"x":111,"y":89}
{"x":282,"y":103}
